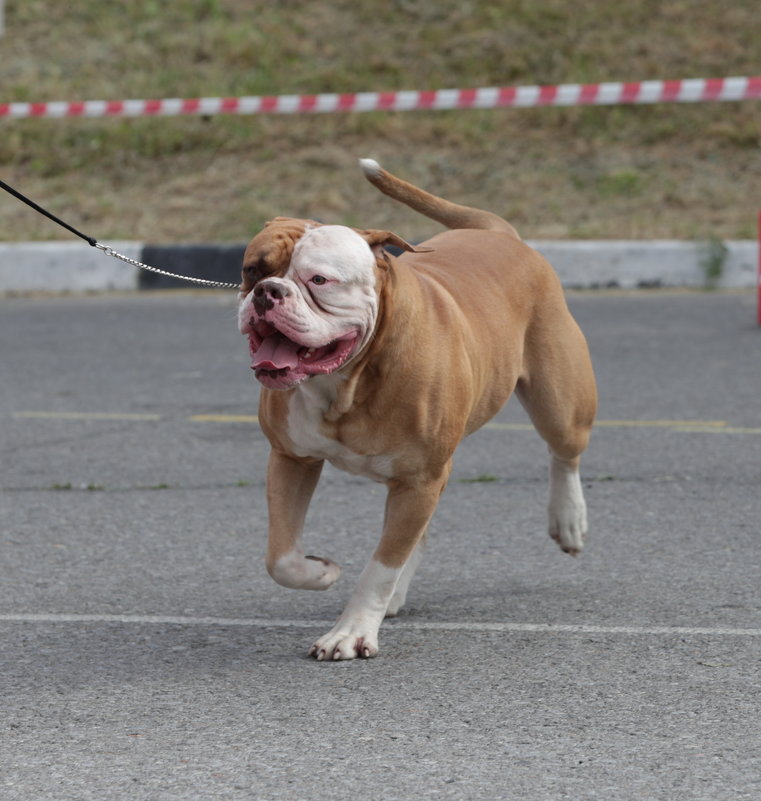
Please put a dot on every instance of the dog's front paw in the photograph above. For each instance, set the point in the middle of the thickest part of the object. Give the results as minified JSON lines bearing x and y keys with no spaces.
{"x":346,"y":642}
{"x":300,"y":572}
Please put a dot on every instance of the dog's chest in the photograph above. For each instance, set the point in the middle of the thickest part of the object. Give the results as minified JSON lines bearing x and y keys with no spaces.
{"x":306,"y":433}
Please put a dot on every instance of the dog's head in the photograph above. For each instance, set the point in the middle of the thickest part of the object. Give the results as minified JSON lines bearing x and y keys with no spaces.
{"x":310,"y":297}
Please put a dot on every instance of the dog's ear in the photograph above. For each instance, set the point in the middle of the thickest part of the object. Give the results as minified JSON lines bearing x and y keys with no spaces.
{"x":380,"y":239}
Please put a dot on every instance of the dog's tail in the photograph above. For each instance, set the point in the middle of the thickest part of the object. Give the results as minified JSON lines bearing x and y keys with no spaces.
{"x":450,"y":214}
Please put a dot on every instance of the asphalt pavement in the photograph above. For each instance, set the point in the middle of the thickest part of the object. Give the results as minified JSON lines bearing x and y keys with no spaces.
{"x":146,"y":654}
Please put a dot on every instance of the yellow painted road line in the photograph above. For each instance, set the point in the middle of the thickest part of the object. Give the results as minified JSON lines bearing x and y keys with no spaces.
{"x":713,"y":424}
{"x":224,"y":418}
{"x":699,"y":429}
{"x":680,"y":426}
{"x":509,"y":426}
{"x":701,"y":425}
{"x":86,"y":416}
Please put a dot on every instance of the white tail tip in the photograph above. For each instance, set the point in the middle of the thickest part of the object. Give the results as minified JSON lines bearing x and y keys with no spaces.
{"x":370,"y":166}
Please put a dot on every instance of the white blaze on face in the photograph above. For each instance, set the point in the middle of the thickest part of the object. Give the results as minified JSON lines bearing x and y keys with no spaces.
{"x":345,"y":261}
{"x":316,"y":317}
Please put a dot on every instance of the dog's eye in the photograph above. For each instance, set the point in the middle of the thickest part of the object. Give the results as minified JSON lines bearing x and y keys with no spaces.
{"x":319,"y":280}
{"x":254,"y":272}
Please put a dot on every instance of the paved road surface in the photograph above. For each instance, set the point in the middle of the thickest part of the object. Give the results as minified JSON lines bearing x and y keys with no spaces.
{"x":147,"y":655}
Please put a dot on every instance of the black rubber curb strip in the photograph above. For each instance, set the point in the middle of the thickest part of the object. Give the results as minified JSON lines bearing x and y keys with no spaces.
{"x":215,"y":262}
{"x":582,"y":265}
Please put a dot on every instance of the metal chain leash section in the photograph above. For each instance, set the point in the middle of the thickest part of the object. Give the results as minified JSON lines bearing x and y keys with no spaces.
{"x":202,"y":281}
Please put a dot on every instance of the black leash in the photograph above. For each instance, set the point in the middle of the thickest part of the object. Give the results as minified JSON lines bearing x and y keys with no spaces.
{"x":107,"y":250}
{"x":24,"y":199}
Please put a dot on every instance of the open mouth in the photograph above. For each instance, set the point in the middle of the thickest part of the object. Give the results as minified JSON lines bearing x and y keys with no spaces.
{"x":280,"y":363}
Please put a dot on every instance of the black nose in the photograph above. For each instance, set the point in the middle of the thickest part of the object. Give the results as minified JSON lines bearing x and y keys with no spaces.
{"x":266,"y":293}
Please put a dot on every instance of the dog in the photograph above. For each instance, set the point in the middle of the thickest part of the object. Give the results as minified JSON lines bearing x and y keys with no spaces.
{"x":381,"y":364}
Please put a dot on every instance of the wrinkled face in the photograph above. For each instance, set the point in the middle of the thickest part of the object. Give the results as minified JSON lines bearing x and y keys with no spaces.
{"x":311,"y":305}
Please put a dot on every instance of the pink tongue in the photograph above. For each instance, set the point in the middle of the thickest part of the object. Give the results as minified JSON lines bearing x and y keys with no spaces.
{"x":276,"y":353}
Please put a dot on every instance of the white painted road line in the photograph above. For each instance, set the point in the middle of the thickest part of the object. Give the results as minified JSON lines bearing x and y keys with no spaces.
{"x":475,"y":626}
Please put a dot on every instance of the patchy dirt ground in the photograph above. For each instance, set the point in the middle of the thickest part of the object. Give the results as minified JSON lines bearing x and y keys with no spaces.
{"x":666,"y":171}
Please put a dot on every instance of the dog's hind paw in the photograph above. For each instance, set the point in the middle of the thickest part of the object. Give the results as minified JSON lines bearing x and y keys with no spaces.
{"x":567,"y":509}
{"x":569,"y":535}
{"x":568,"y":523}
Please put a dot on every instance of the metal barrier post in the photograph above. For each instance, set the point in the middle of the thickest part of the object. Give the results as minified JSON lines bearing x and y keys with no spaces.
{"x":758,"y":276}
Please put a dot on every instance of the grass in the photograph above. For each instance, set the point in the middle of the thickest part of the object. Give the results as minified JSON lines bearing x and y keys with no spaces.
{"x":681,"y":171}
{"x":714,"y":254}
{"x":484,"y":478}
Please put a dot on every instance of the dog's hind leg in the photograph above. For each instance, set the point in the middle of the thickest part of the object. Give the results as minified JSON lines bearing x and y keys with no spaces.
{"x":558,"y":392}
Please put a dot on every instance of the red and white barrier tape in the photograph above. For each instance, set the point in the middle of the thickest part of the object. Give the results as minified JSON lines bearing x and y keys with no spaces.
{"x":694,"y":90}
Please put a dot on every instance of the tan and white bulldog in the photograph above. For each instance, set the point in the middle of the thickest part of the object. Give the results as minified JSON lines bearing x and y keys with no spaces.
{"x":382,"y":364}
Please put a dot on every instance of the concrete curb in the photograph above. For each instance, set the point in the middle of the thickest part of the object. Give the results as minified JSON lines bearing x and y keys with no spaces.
{"x":659,"y":263}
{"x":76,"y":267}
{"x":65,"y":267}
